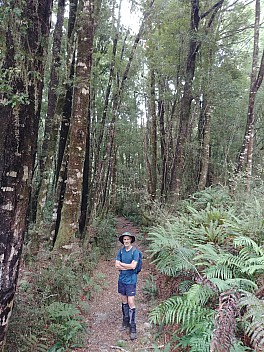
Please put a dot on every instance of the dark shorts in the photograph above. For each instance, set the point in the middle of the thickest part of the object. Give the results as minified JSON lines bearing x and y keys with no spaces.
{"x":126,"y":289}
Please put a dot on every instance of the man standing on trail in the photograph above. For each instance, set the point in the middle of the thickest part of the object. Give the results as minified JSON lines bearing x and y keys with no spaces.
{"x":126,"y":262}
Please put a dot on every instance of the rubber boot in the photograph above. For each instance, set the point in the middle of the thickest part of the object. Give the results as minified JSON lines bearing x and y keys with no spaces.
{"x":125,"y":322}
{"x":132,"y":323}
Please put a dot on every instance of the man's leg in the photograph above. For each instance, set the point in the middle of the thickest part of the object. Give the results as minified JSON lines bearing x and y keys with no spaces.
{"x":125,"y":311}
{"x":132,"y":317}
{"x":125,"y":307}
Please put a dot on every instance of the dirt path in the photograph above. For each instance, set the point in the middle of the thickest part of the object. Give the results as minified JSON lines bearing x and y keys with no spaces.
{"x":104,"y":317}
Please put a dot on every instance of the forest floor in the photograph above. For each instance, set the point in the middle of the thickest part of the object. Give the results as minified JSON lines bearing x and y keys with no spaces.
{"x":104,"y":315}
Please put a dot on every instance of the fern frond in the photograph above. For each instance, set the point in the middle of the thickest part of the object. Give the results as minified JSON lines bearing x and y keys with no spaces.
{"x":199,"y":339}
{"x":185,"y":285}
{"x":254,"y":318}
{"x":169,"y":254}
{"x":200,"y":294}
{"x":242,"y":284}
{"x":222,"y":285}
{"x":219,"y":271}
{"x":171,"y":261}
{"x":254,"y":265}
{"x":34,"y":344}
{"x":244,"y":241}
{"x":182,"y":311}
{"x":59,"y":311}
{"x":207,"y":252}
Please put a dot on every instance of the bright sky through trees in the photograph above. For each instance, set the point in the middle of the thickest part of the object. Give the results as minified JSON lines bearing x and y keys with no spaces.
{"x":128,"y":19}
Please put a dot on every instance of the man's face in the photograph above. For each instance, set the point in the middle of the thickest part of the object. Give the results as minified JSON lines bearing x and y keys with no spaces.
{"x":127,"y":240}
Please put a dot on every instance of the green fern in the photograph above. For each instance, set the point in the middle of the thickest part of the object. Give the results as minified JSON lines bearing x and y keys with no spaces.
{"x":32,"y":343}
{"x":209,"y":242}
{"x":180,"y":310}
{"x":185,"y":286}
{"x":59,"y":311}
{"x":254,"y":318}
{"x":169,"y":254}
{"x":200,"y":294}
{"x":249,"y":243}
{"x":199,"y":339}
{"x":65,"y":323}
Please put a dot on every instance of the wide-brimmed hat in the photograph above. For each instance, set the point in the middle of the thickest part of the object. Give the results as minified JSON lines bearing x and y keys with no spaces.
{"x":127,"y":234}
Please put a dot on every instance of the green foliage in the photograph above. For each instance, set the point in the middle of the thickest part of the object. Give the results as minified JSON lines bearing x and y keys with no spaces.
{"x":45,"y":316}
{"x":208,"y":247}
{"x":105,"y":233}
{"x":57,"y":283}
{"x":32,"y":343}
{"x":64,"y":322}
{"x":253,"y":318}
{"x":94,"y":284}
{"x":215,"y":196}
{"x":150,"y":288}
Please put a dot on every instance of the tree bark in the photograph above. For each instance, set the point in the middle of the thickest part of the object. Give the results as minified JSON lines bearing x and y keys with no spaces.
{"x":78,"y":130}
{"x":23,"y":68}
{"x":205,"y":143}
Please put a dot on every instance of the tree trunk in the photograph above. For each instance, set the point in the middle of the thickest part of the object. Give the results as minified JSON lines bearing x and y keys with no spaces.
{"x":205,"y":132}
{"x":166,"y":113}
{"x":59,"y":182}
{"x":99,"y":165}
{"x":78,"y":130}
{"x":52,"y":121}
{"x":20,"y":116}
{"x":185,"y":110}
{"x":246,"y":151}
{"x":186,"y":101}
{"x":153,"y":115}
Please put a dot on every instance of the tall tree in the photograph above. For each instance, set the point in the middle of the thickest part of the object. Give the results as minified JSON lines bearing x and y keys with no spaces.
{"x":78,"y":130}
{"x":23,"y":69}
{"x":246,"y":151}
{"x":104,"y":180}
{"x":186,"y":101}
{"x":153,"y":134}
{"x":52,"y":120}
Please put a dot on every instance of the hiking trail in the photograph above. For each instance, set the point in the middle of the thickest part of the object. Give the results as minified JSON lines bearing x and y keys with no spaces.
{"x":104,"y":316}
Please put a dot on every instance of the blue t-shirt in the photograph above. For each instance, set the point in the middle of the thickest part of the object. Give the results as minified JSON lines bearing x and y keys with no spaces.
{"x":127,"y":276}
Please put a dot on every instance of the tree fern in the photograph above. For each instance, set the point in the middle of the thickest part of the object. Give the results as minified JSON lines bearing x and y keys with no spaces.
{"x":225,"y":324}
{"x":215,"y":195}
{"x":169,"y":254}
{"x":213,"y":261}
{"x":173,"y":261}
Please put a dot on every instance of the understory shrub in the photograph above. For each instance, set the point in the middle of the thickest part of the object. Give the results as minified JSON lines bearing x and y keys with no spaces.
{"x":47,"y":315}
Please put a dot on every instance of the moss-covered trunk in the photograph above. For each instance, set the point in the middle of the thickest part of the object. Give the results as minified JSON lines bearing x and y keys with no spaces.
{"x":22,"y":70}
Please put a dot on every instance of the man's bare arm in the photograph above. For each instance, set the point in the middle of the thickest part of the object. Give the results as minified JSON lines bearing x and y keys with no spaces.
{"x":130,"y":266}
{"x":119,"y":265}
